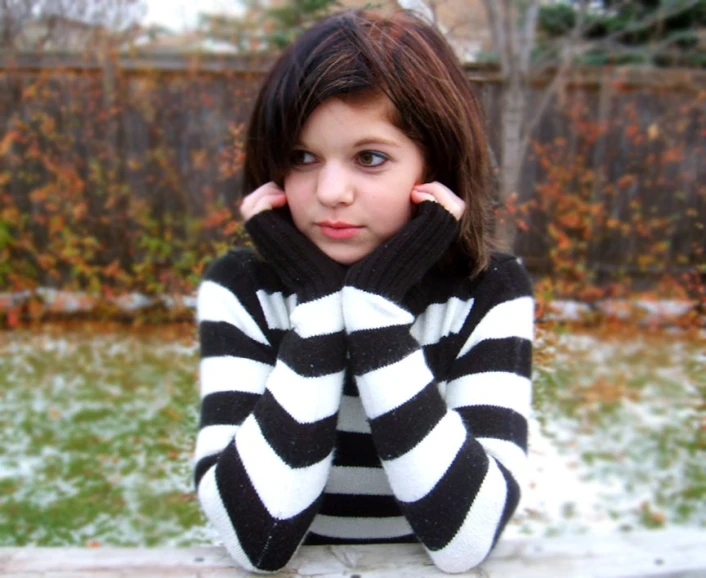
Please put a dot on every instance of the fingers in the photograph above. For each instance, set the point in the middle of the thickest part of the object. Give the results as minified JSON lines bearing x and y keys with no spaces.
{"x":268,"y":196}
{"x":441,"y":194}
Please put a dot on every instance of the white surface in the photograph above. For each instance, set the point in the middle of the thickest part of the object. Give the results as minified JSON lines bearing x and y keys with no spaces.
{"x":180,"y":15}
{"x":663,"y":554}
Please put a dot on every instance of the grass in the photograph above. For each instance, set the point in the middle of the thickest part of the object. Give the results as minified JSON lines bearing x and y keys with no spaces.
{"x":626,"y":410}
{"x":97,"y":430}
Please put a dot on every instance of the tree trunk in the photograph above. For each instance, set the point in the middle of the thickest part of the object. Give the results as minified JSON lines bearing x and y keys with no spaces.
{"x":513,"y":24}
{"x":514,"y":103}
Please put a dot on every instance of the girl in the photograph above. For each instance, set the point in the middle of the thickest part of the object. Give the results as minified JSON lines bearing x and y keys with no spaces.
{"x":365,"y":376}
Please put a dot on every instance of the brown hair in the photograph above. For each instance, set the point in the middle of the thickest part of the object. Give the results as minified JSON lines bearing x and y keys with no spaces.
{"x":357,"y":53}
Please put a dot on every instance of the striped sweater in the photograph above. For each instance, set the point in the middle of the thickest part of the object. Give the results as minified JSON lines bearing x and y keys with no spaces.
{"x":383,"y":403}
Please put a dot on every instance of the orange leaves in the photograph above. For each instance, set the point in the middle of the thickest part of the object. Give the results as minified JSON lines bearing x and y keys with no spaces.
{"x":606,"y":391}
{"x":217,"y":217}
{"x":627,"y":181}
{"x":617,"y":202}
{"x":6,"y":142}
{"x":137,"y":192}
{"x":112,"y":271}
{"x":48,"y":125}
{"x":79,"y":210}
{"x":575,"y":221}
{"x":232,"y":157}
{"x":673,"y":155}
{"x":650,"y":517}
{"x":632,"y":131}
{"x":199,"y":159}
{"x":120,"y":194}
{"x":13,"y":317}
{"x":561,"y":239}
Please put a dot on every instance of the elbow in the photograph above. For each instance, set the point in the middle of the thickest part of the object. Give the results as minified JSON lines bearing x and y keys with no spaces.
{"x":267,"y":560}
{"x":254,"y":546}
{"x":459,"y":562}
{"x":471,"y":545}
{"x":256,"y":567}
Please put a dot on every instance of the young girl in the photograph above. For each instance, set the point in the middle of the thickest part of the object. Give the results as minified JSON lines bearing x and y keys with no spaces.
{"x":365,"y":375}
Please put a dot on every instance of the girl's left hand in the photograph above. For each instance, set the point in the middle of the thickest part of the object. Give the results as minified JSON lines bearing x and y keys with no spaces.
{"x":441,"y":194}
{"x":268,"y":196}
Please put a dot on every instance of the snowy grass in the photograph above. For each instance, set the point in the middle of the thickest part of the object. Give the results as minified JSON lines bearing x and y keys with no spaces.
{"x":618,"y":439}
{"x":97,"y":430}
{"x":96,"y":433}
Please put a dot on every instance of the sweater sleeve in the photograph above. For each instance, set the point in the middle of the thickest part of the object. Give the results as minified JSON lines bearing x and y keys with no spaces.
{"x":300,"y":264}
{"x":455,"y":463}
{"x":271,"y":384}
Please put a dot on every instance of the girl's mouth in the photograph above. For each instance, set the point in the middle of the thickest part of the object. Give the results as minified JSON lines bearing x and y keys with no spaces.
{"x":338,"y":229}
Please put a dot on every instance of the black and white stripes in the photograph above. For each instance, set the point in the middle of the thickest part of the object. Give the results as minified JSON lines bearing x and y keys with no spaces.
{"x":268,"y":422}
{"x":356,"y":416}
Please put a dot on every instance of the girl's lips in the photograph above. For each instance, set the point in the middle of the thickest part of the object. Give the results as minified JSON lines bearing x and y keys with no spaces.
{"x":338,"y":230}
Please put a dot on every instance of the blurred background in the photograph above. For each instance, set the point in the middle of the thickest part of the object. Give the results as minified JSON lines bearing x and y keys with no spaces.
{"x":121,"y":134}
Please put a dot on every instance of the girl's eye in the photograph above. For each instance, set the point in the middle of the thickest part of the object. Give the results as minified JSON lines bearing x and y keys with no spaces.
{"x":300,"y":157}
{"x":371,"y":158}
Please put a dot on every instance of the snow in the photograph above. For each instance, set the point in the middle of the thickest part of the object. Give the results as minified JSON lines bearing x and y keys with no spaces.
{"x":180,"y":15}
{"x":557,"y":499}
{"x":599,"y":466}
{"x":567,"y":310}
{"x":668,"y":308}
{"x":592,"y":468}
{"x":647,"y":311}
{"x":662,"y":311}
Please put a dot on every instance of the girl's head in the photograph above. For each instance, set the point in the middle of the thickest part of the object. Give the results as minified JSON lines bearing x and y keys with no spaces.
{"x":398,"y":74}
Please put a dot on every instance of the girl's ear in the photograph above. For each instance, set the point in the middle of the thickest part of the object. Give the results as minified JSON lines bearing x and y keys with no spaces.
{"x":278,"y":178}
{"x":429,"y":173}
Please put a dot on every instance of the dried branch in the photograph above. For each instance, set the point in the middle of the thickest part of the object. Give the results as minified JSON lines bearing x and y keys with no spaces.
{"x":566,"y":63}
{"x":582,"y":25}
{"x":571,"y":47}
{"x":496,"y":13}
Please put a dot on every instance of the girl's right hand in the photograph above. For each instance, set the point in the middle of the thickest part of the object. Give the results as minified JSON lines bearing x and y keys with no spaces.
{"x":268,"y":196}
{"x":438,"y":193}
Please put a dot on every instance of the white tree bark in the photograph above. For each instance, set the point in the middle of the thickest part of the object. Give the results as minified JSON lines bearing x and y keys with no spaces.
{"x":512,"y":116}
{"x":514,"y":25}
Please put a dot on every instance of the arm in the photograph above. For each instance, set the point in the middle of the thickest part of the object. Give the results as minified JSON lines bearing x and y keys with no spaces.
{"x":455,"y":465}
{"x":269,"y":405}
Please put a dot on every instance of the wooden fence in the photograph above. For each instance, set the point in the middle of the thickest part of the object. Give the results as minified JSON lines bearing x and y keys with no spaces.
{"x":164,"y":130}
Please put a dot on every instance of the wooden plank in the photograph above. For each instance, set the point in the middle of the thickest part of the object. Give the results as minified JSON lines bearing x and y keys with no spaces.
{"x":687,"y":79}
{"x":656,"y":554}
{"x":49,"y":61}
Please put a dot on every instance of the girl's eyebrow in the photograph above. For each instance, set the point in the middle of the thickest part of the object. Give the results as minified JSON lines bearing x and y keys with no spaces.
{"x":365,"y":141}
{"x":375,"y":140}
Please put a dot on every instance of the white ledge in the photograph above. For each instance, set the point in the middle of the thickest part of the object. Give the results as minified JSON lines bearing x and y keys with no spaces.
{"x":645,"y":554}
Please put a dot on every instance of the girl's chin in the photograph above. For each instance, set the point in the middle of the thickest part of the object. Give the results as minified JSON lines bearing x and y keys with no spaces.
{"x":343,"y":256}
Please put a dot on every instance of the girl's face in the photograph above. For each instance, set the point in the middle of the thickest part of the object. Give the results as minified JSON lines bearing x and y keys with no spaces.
{"x":351,"y":178}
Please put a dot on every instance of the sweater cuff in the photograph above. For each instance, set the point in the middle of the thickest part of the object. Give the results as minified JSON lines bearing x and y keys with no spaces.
{"x":301,"y":265}
{"x":401,"y":262}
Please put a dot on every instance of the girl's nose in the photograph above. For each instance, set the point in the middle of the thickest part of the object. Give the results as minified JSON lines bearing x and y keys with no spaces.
{"x":334,"y":186}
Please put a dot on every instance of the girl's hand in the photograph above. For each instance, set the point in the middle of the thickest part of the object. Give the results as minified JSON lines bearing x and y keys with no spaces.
{"x":441,"y":194}
{"x":268,"y":196}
